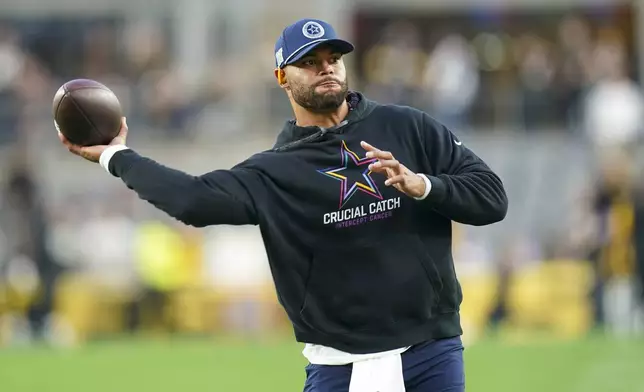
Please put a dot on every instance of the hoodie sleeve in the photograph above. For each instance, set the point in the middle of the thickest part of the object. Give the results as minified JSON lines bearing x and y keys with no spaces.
{"x":218,"y":197}
{"x":463,"y":187}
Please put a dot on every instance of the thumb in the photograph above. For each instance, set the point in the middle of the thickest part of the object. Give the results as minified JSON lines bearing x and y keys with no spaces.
{"x":122,"y":136}
{"x":124,"y":129}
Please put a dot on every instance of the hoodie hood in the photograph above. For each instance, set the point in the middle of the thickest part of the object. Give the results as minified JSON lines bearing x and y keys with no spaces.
{"x":359,"y":108}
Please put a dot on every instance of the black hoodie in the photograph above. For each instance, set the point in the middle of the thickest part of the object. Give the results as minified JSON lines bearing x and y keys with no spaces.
{"x":358,"y":266}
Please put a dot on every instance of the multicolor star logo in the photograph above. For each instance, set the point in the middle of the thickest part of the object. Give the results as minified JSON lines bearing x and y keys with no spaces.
{"x":350,"y":161}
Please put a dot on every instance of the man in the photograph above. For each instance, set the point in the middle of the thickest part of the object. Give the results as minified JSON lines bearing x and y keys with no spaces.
{"x":366,"y":278}
{"x":638,"y":240}
{"x":23,"y":215}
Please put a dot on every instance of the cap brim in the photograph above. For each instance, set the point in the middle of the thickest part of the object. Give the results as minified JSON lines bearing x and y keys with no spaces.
{"x":340,"y":45}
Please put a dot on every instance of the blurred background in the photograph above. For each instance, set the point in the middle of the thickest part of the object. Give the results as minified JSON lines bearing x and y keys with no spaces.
{"x":99,"y":291}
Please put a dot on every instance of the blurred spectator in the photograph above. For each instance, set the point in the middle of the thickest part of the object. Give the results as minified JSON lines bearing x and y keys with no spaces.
{"x":536,"y":75}
{"x":166,"y":261}
{"x":394,"y":65}
{"x":614,"y":107}
{"x":451,"y":81}
{"x":105,"y":238}
{"x":27,"y":245}
{"x":638,"y":240}
{"x":505,"y":272}
{"x":11,"y":63}
{"x":573,"y":61}
{"x":613,"y":254}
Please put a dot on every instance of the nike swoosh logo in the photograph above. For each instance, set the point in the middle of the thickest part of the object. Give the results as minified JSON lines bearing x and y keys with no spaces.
{"x":457,"y":142}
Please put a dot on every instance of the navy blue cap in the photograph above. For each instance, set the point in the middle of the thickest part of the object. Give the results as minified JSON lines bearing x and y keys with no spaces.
{"x":303,"y":36}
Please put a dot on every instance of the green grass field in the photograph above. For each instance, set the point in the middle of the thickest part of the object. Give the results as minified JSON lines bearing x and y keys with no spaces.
{"x":591,"y":365}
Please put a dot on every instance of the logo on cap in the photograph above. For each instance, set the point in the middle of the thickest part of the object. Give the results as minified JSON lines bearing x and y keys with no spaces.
{"x":312,"y":30}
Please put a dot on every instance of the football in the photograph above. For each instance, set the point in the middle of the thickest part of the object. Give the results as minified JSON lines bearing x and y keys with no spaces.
{"x":87,"y":112}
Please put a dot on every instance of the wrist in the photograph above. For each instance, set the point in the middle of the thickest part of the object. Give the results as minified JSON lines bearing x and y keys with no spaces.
{"x":426,"y":187}
{"x":108,"y":153}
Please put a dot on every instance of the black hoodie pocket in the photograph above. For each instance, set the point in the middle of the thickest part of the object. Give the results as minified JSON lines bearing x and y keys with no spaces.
{"x":377,"y":287}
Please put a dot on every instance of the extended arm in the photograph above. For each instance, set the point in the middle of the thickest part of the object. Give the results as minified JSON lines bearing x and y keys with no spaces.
{"x":218,"y":197}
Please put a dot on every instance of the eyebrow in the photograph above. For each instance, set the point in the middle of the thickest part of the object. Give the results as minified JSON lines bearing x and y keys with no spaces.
{"x":310,"y":56}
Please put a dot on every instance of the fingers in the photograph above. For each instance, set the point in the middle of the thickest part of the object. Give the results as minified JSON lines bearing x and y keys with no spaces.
{"x":63,"y":139}
{"x":75,"y":150}
{"x":66,"y":142}
{"x":381,"y":170}
{"x":89,"y":153}
{"x":368,"y":146}
{"x":71,"y":147}
{"x":380,"y":154}
{"x":390,"y":168}
{"x":373,"y":152}
{"x":384,"y":164}
{"x":397,"y":179}
{"x":387,"y":164}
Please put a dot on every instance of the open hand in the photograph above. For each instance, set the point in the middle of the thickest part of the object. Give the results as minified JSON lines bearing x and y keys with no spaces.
{"x":93,"y":153}
{"x":398,"y":176}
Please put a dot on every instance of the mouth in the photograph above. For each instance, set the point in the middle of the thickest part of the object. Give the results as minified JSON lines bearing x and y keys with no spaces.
{"x":329,"y":83}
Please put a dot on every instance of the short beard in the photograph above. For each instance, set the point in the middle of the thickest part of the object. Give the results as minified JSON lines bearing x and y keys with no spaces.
{"x":327,"y":102}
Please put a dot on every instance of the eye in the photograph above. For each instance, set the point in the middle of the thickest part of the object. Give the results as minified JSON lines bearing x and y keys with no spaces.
{"x":308,"y":62}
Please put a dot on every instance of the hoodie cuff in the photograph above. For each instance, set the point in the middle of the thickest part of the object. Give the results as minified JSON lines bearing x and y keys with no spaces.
{"x":439,"y":190}
{"x":107,"y":155}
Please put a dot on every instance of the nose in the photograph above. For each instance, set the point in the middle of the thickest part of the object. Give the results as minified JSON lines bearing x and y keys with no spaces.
{"x":326,"y":68}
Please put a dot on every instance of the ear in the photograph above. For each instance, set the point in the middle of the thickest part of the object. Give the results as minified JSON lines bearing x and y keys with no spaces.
{"x":281,"y":76}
